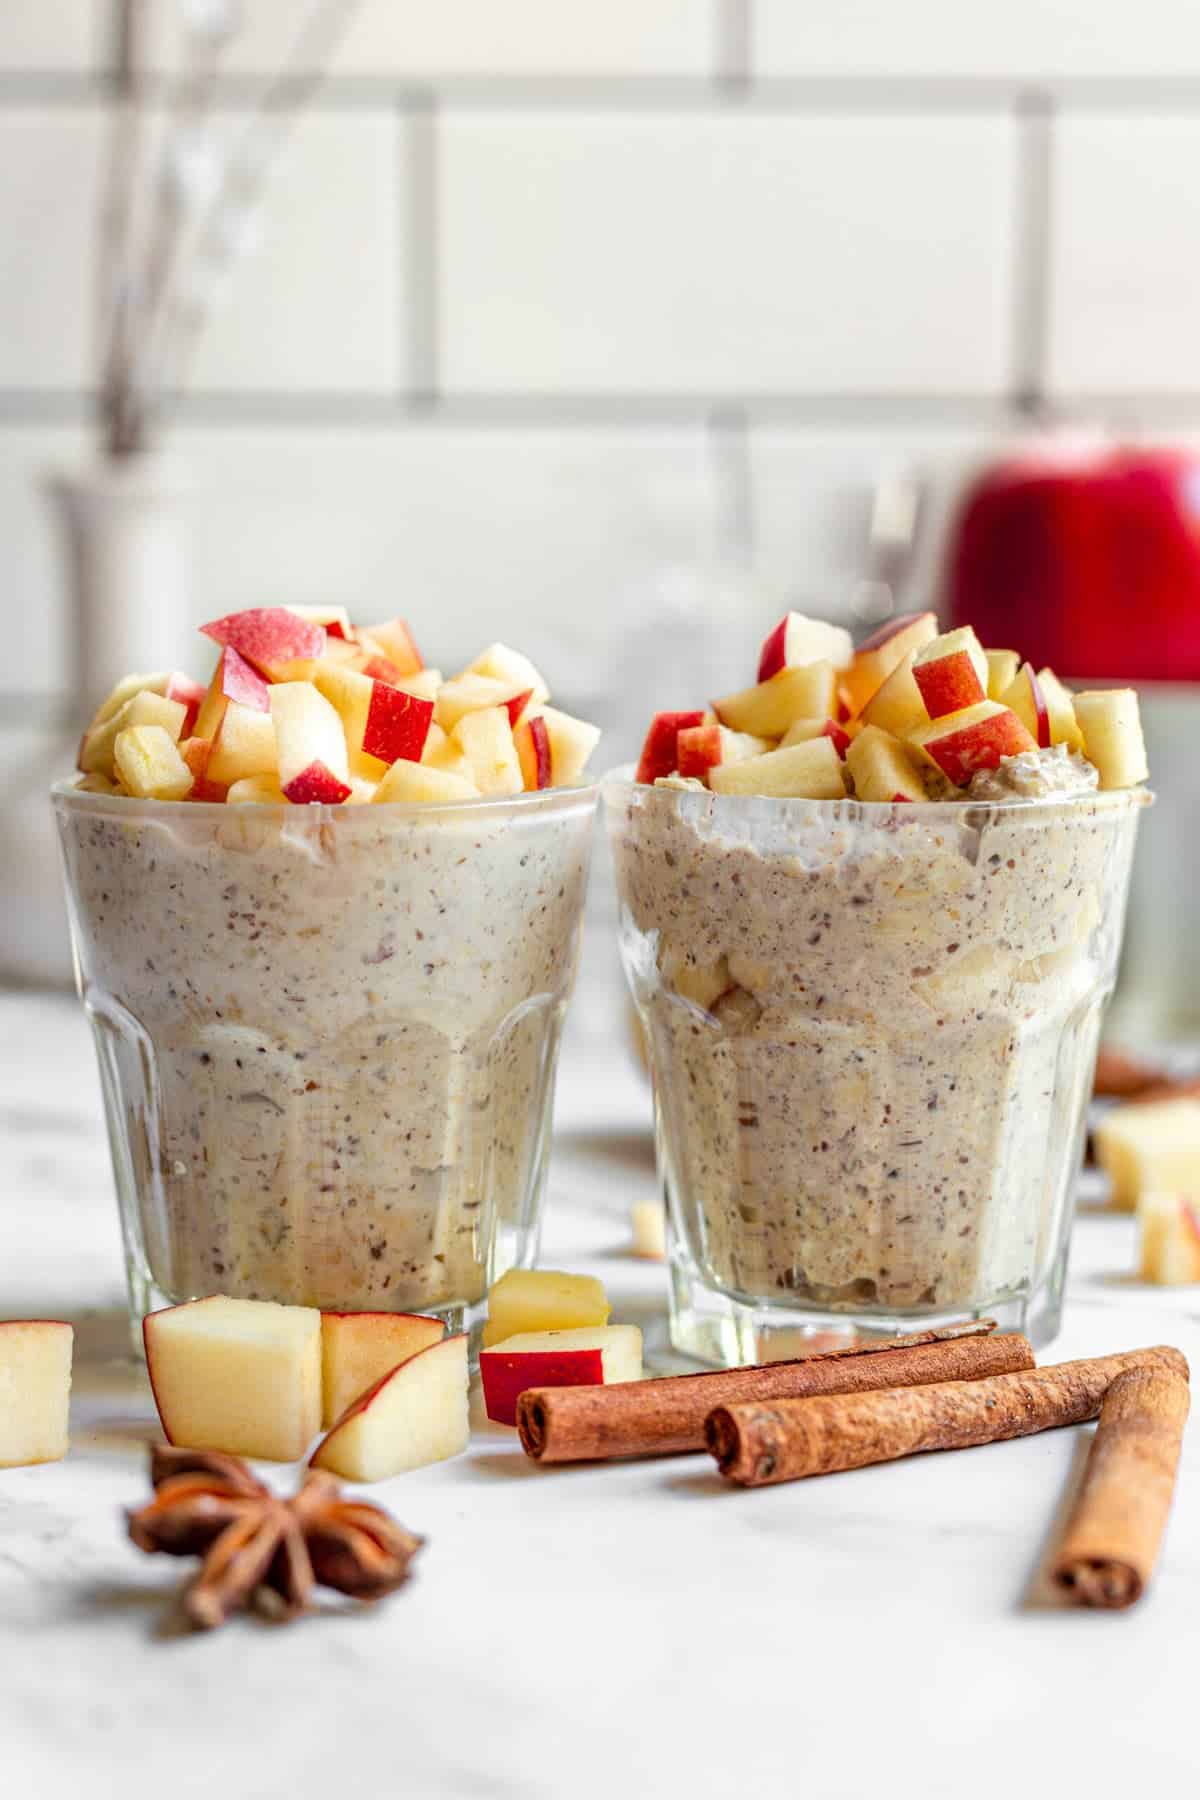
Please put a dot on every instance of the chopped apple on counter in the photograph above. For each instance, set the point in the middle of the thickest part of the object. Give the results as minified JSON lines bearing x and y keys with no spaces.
{"x":769,"y":708}
{"x":1112,"y":735}
{"x":359,"y":1349}
{"x":1150,"y":1147}
{"x":236,"y":1375}
{"x":585,"y":1357}
{"x":543,"y":1300}
{"x":951,"y":672}
{"x":883,"y":768}
{"x":1170,"y":1239}
{"x":808,"y":771}
{"x":35,"y":1390}
{"x":148,"y":762}
{"x":415,"y":1415}
{"x":875,"y":658}
{"x":797,"y":640}
{"x":1026,"y":696}
{"x":978,"y":737}
{"x":648,"y":1226}
{"x":310,"y":743}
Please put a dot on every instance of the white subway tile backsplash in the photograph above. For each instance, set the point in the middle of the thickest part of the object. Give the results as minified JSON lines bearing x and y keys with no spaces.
{"x":725,"y":253}
{"x":1125,"y":257}
{"x":1023,"y":40}
{"x":54,"y":35}
{"x":47,"y":221}
{"x":316,"y":304}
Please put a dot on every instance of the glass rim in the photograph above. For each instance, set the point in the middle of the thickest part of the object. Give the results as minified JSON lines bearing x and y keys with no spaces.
{"x":552,"y":799}
{"x":933,"y":812}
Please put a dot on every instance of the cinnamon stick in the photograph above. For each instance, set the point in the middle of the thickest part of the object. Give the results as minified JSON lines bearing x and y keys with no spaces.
{"x":665,"y":1415}
{"x":1111,"y":1542}
{"x":786,"y":1440}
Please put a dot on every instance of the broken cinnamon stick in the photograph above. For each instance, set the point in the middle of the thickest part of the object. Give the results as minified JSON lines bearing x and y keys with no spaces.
{"x":1111,"y":1542}
{"x":787,"y":1440}
{"x":665,"y":1415}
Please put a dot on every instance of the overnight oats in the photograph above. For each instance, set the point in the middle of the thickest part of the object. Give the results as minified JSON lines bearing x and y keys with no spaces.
{"x":326,"y":918}
{"x":870,"y":944}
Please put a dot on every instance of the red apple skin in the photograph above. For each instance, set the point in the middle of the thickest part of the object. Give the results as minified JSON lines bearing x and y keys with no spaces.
{"x":961,"y":754}
{"x":1190,"y":1218}
{"x":534,"y":753}
{"x":397,"y":641}
{"x":336,"y":629}
{"x":698,"y":749}
{"x":506,"y":1377}
{"x":267,"y":636}
{"x":891,"y":628}
{"x":773,"y":655}
{"x":516,"y":706}
{"x":316,"y":785}
{"x":196,"y":753}
{"x":1041,"y":710}
{"x":242,"y":683}
{"x":380,"y":669}
{"x":949,"y":684}
{"x":660,"y":748}
{"x":901,"y":800}
{"x":364,"y":1400}
{"x":190,"y":694}
{"x":841,"y":739}
{"x":397,"y":724}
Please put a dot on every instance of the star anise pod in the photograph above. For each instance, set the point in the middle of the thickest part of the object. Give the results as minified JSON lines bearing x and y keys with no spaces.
{"x":256,"y":1545}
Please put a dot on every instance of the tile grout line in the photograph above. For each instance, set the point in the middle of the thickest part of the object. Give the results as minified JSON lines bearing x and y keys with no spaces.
{"x":1034,"y":123}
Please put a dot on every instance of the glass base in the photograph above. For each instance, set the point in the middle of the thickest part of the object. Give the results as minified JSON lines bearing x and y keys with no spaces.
{"x":725,"y":1331}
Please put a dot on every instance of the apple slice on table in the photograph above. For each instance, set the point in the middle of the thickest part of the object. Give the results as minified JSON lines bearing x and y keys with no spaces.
{"x":770,"y":708}
{"x":237,"y":1375}
{"x":417,"y":1414}
{"x":35,"y":1385}
{"x":648,"y":1228}
{"x":797,"y":640}
{"x":879,"y":654}
{"x":1170,"y":1239}
{"x":419,"y":784}
{"x":486,"y":741}
{"x":1025,"y":696}
{"x":1148,"y":1147}
{"x":269,"y":637}
{"x":98,"y":749}
{"x":310,"y":745}
{"x":951,"y":672}
{"x":897,"y":706}
{"x":1112,"y":735}
{"x":808,"y":771}
{"x":978,"y":737}
{"x":359,"y":1349}
{"x":660,"y":751}
{"x":1060,"y":705}
{"x":532,"y":740}
{"x":702,"y":747}
{"x":395,"y":641}
{"x":1002,"y":671}
{"x":586,"y":1357}
{"x":883,"y":768}
{"x":543,"y":1300}
{"x":500,"y":663}
{"x":149,"y":764}
{"x":244,"y":746}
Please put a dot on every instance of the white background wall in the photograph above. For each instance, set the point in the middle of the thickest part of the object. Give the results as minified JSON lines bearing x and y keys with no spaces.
{"x":560,"y":307}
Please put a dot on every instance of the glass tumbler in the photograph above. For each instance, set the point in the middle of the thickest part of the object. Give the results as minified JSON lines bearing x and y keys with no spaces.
{"x":327,"y":1038}
{"x":872,"y":1032}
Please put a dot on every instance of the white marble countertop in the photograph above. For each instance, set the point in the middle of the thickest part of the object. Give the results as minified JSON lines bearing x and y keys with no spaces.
{"x":634,"y":1629}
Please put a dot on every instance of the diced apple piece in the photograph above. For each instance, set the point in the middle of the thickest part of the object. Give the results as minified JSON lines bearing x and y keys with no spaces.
{"x":470,"y":693}
{"x":486,"y":741}
{"x":1170,"y":1239}
{"x":197,"y":754}
{"x":418,"y":783}
{"x":397,"y":724}
{"x":395,"y":641}
{"x":416,"y":1415}
{"x":543,"y":1300}
{"x":97,"y":784}
{"x":797,"y":640}
{"x":335,"y":619}
{"x":1060,"y":704}
{"x":269,"y":637}
{"x":701,"y":747}
{"x":256,"y":790}
{"x":424,"y":685}
{"x":978,"y":737}
{"x":1024,"y":695}
{"x":310,"y":745}
{"x":363,"y":789}
{"x":1149,"y":1147}
{"x":1112,"y":735}
{"x":123,"y":692}
{"x":897,"y":706}
{"x":1002,"y":670}
{"x":883,"y":768}
{"x":233,"y":680}
{"x":951,"y":672}
{"x":590,"y":1356}
{"x":190,"y":695}
{"x":770,"y":708}
{"x":145,"y":708}
{"x":149,"y":764}
{"x":35,"y":1390}
{"x":571,"y":744}
{"x":237,"y":1375}
{"x":879,"y":654}
{"x":532,"y":740}
{"x":648,"y":1226}
{"x":244,"y":746}
{"x":500,"y":663}
{"x":660,"y":752}
{"x":441,"y":753}
{"x":359,"y":1349}
{"x":810,"y":771}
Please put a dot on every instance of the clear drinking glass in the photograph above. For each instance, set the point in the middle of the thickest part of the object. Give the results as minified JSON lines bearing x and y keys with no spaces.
{"x":327,"y":1038}
{"x":872,"y":1032}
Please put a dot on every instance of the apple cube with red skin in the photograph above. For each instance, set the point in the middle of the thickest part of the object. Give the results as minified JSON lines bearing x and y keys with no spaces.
{"x":1025,"y":696}
{"x":359,"y":1349}
{"x":588,"y":1357}
{"x":417,"y":1414}
{"x":883,"y":768}
{"x":335,"y":619}
{"x":809,"y":771}
{"x":269,"y":637}
{"x":768,"y":709}
{"x":197,"y":754}
{"x":532,"y":741}
{"x":233,"y":680}
{"x":897,"y":706}
{"x":35,"y":1382}
{"x":510,"y":666}
{"x":242,"y":1376}
{"x":571,"y":744}
{"x":702,"y":747}
{"x":395,"y":641}
{"x":879,"y":654}
{"x":802,"y":732}
{"x":380,"y":721}
{"x":660,"y":752}
{"x":951,"y":672}
{"x":310,"y":745}
{"x":1170,"y":1239}
{"x":190,"y":695}
{"x":978,"y":737}
{"x":1112,"y":735}
{"x":797,"y":640}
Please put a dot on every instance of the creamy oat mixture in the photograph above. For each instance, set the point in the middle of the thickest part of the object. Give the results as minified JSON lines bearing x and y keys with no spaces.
{"x":873,"y":1032}
{"x":333,"y":1042}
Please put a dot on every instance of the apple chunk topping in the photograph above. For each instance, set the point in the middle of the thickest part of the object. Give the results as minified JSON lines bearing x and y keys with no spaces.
{"x":769,"y":708}
{"x":797,"y":640}
{"x":978,"y":737}
{"x":310,"y":745}
{"x":148,"y":762}
{"x":586,"y":1356}
{"x":1112,"y":735}
{"x":35,"y":1383}
{"x":810,"y":771}
{"x":951,"y":673}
